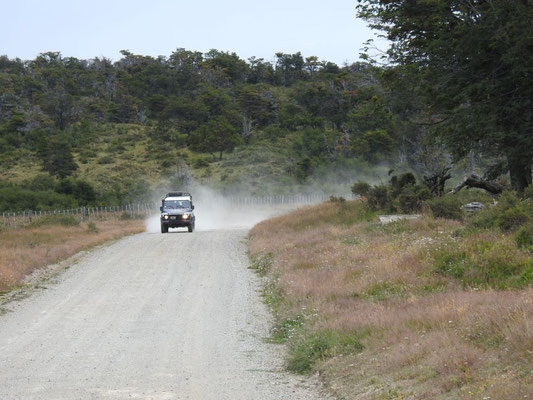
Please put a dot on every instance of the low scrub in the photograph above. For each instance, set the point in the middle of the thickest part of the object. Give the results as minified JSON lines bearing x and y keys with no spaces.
{"x":307,"y":350}
{"x":448,"y":207}
{"x":509,"y":214}
{"x":401,"y":194}
{"x":432,"y":308}
{"x":486,"y":261}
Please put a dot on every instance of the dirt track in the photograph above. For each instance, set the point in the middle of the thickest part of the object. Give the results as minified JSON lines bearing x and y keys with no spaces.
{"x":175,"y":316}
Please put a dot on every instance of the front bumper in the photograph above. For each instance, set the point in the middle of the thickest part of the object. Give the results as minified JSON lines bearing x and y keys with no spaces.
{"x":176,"y":221}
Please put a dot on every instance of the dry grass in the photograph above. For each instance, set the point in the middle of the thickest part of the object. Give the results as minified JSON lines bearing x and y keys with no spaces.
{"x":425,"y":335}
{"x":24,"y":250}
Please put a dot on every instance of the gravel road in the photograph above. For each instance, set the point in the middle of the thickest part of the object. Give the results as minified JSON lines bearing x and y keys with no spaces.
{"x":152,"y":316}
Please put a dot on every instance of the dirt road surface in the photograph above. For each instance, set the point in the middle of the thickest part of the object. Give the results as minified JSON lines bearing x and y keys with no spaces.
{"x":152,"y":316}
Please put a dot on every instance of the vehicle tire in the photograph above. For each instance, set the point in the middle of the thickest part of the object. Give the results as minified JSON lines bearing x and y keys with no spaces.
{"x":164,"y":228}
{"x":190,"y":227}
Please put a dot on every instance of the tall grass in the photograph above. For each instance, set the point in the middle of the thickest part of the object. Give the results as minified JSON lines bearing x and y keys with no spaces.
{"x":50,"y":240}
{"x":444,"y":315}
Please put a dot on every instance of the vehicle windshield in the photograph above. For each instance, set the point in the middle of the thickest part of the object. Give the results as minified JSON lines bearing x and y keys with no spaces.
{"x":177,"y":204}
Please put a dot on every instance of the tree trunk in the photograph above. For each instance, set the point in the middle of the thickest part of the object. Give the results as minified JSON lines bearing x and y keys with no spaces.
{"x":477,"y":182}
{"x":520,"y":172}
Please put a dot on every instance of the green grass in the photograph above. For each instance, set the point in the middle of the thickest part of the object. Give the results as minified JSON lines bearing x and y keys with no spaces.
{"x":385,"y":290}
{"x":485,"y":263}
{"x":310,"y":348}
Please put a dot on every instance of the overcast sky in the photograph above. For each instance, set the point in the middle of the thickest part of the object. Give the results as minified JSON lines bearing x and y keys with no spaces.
{"x":95,"y":28}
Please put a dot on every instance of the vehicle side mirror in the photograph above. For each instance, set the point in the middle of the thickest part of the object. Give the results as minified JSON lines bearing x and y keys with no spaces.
{"x":192,"y":207}
{"x":161,"y":208}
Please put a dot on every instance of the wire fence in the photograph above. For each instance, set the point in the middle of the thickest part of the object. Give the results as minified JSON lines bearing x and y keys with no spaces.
{"x":14,"y":220}
{"x":287,"y":199}
{"x":83,"y":214}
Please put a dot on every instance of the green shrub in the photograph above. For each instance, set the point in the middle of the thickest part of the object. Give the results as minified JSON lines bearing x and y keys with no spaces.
{"x":401,"y":194}
{"x":411,"y":197}
{"x":307,"y":350}
{"x":106,"y":160}
{"x":509,"y":214}
{"x":378,"y":198}
{"x":528,"y":192}
{"x":55,"y":219}
{"x":360,"y":188}
{"x":524,"y":237}
{"x":286,"y":329}
{"x":262,"y":264}
{"x":513,"y":218}
{"x":499,"y":265}
{"x":448,"y":207}
{"x":200,"y":163}
{"x":91,"y":228}
{"x":335,"y":199}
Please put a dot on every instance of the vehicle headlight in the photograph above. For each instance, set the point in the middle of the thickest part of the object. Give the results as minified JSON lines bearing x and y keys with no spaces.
{"x":186,"y":216}
{"x":164,"y":216}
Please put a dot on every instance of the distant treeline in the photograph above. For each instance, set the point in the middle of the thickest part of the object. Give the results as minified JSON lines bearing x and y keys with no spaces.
{"x":209,"y":102}
{"x":456,"y":85}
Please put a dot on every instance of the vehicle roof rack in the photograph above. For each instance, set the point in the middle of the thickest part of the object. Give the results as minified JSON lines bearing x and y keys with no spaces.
{"x":178,"y":194}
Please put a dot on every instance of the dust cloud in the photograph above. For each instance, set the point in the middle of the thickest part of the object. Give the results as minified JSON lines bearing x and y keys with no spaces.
{"x":214,"y":211}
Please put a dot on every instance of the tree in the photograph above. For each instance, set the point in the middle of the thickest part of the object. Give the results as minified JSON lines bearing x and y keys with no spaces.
{"x":218,"y":135}
{"x":57,"y":159}
{"x":474,"y":62}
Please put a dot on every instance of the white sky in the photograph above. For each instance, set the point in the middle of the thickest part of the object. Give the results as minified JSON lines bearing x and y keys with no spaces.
{"x":95,"y":28}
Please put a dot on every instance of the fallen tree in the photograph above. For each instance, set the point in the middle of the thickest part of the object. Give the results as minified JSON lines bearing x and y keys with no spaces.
{"x":478,"y":182}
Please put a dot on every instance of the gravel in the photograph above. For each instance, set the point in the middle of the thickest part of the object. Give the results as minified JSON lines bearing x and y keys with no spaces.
{"x":152,"y":316}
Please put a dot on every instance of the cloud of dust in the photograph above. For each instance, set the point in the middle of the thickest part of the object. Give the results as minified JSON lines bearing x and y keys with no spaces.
{"x":214,"y":211}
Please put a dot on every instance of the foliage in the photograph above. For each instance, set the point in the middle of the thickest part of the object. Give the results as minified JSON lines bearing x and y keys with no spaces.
{"x":55,"y":219}
{"x":480,"y":262}
{"x":360,"y":188}
{"x":434,"y":42}
{"x":91,"y":228}
{"x":509,"y":214}
{"x":401,"y":194}
{"x":524,"y":237}
{"x":445,"y":207}
{"x":320,"y":345}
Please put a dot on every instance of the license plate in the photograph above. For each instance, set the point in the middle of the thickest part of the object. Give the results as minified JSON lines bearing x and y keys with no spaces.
{"x":172,"y":217}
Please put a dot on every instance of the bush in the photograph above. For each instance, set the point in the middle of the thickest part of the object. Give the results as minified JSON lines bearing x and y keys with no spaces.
{"x":335,"y":199}
{"x":378,"y":198}
{"x":524,"y":237}
{"x":401,"y":194}
{"x":445,"y":207}
{"x":513,"y":218}
{"x":360,"y":188}
{"x":528,"y":192}
{"x":306,"y":351}
{"x":481,"y":262}
{"x":106,"y":160}
{"x":509,"y":214}
{"x":411,"y":197}
{"x":200,"y":163}
{"x":55,"y":219}
{"x":91,"y":228}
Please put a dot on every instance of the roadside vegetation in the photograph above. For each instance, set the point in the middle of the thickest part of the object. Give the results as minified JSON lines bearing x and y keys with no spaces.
{"x":438,"y":307}
{"x":51,"y":239}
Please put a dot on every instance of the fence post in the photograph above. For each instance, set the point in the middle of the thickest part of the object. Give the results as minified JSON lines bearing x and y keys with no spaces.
{"x":83,"y":214}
